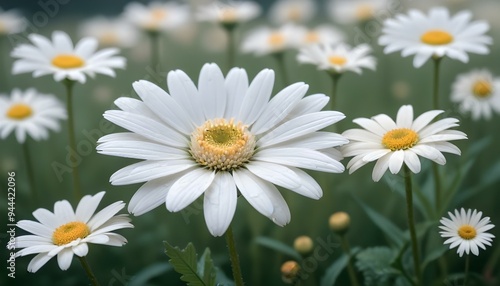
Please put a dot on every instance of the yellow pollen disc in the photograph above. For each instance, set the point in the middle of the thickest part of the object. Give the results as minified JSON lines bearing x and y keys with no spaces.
{"x":337,"y":60}
{"x":312,"y":37}
{"x":467,"y":232}
{"x":222,"y":145}
{"x":67,"y":61}
{"x":400,"y":139}
{"x":294,"y":14}
{"x":364,"y":12}
{"x":19,"y":111}
{"x":228,"y":15}
{"x":436,"y":37}
{"x":482,"y":88}
{"x":276,"y":39}
{"x":69,"y":232}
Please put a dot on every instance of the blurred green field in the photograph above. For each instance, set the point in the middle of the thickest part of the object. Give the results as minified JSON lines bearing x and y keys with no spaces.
{"x":394,"y":83}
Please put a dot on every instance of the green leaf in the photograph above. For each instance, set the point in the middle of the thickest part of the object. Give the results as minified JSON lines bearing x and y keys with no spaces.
{"x":433,"y":255}
{"x":278,"y":246}
{"x":391,"y":231}
{"x":185,"y":262}
{"x":488,"y":178}
{"x":334,"y":270}
{"x":375,"y":265}
{"x":141,"y":278}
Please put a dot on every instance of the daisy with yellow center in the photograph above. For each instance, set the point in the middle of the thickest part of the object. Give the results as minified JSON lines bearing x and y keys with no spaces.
{"x":223,"y":136}
{"x":322,"y":34}
{"x":262,"y":41}
{"x":65,"y":61}
{"x":30,"y":113}
{"x":478,"y":93}
{"x":156,"y":16}
{"x":229,"y":13}
{"x":11,"y":22}
{"x":356,"y":11}
{"x":67,"y":232}
{"x":435,"y":35}
{"x":292,"y":11}
{"x":467,"y":230}
{"x":392,"y":144}
{"x":110,"y":32}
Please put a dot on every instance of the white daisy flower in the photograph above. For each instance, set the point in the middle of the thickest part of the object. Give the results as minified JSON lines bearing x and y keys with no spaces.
{"x":110,"y":31}
{"x":477,"y":92}
{"x":30,"y":113}
{"x":11,"y":22}
{"x":435,"y":35}
{"x":339,"y":58}
{"x":226,"y":135}
{"x":393,"y":143}
{"x":157,"y":16}
{"x":356,"y":11}
{"x":326,"y":34}
{"x":66,"y":232}
{"x":292,"y":11}
{"x":227,"y":13}
{"x":467,"y":230}
{"x":264,"y":40}
{"x":60,"y":58}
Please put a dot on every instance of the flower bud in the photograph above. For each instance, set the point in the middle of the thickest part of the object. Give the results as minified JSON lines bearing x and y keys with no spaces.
{"x":303,"y":244}
{"x":339,"y":222}
{"x":290,"y":271}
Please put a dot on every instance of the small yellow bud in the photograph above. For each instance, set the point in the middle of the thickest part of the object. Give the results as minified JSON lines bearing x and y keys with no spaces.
{"x":339,"y":222}
{"x":289,"y":271}
{"x":303,"y":244}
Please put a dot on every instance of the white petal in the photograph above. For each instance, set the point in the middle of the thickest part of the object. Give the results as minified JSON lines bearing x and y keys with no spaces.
{"x":212,"y":91}
{"x":188,"y":188}
{"x":183,"y":90}
{"x":396,"y":161}
{"x":236,"y":88}
{"x":38,"y":261}
{"x":412,"y":161}
{"x":81,"y":249}
{"x":64,"y":258}
{"x":219,"y":203}
{"x":253,"y":189}
{"x":274,"y":173}
{"x":150,"y":195}
{"x":405,"y":116}
{"x":87,"y":206}
{"x":380,"y":167}
{"x":257,"y":97}
{"x":301,"y":158}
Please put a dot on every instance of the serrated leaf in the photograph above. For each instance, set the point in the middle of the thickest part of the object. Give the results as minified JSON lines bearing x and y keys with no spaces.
{"x":278,"y":246}
{"x":391,"y":231}
{"x":375,"y":265}
{"x":185,"y":263}
{"x":149,"y":272}
{"x":334,"y":270}
{"x":206,"y":267}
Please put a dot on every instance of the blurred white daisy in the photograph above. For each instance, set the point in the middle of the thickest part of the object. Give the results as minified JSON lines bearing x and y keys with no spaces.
{"x":60,"y":58}
{"x":393,"y":143}
{"x":226,"y":135}
{"x":292,"y":11}
{"x":11,"y":22}
{"x":326,"y":34}
{"x":110,"y":31}
{"x":435,"y":35}
{"x":339,"y":58}
{"x":66,"y":232}
{"x":228,"y":13}
{"x":30,"y":113}
{"x":477,"y":92}
{"x":157,"y":16}
{"x":467,"y":230}
{"x":356,"y":11}
{"x":265,"y":40}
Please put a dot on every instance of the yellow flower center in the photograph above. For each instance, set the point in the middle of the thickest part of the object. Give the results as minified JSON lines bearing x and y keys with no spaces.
{"x":337,"y":60}
{"x":222,"y":145}
{"x":67,"y":61}
{"x":400,"y":139}
{"x":436,"y":37}
{"x":482,"y":88}
{"x":312,"y":37}
{"x":19,"y":111}
{"x":276,"y":39}
{"x":294,"y":14}
{"x":108,"y":38}
{"x":228,"y":15}
{"x":467,"y":232}
{"x":69,"y":232}
{"x":364,"y":12}
{"x":158,"y":14}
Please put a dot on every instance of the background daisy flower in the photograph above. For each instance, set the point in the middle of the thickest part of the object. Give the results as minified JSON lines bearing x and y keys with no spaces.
{"x":292,"y":11}
{"x":65,"y":61}
{"x":110,"y":31}
{"x":30,"y":113}
{"x":157,"y":16}
{"x":435,"y":35}
{"x":326,"y":34}
{"x":338,"y":58}
{"x":65,"y":232}
{"x":355,"y":11}
{"x":231,"y":12}
{"x":11,"y":22}
{"x":264,"y":40}
{"x":226,"y":135}
{"x":467,"y":230}
{"x":477,"y":92}
{"x":393,"y":143}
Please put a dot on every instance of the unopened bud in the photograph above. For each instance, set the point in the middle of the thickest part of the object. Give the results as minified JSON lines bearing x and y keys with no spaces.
{"x":289,"y":271}
{"x":303,"y":244}
{"x":339,"y":222}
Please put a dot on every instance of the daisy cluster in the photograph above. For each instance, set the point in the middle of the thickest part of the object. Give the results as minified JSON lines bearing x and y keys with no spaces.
{"x":226,"y":137}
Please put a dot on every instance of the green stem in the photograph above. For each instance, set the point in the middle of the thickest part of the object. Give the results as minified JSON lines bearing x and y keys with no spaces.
{"x":29,"y":171}
{"x":280,"y":58}
{"x":437,"y":186}
{"x":435,"y":102}
{"x":233,"y":255}
{"x":437,"y":180}
{"x":333,"y":96}
{"x":411,"y":224}
{"x":88,"y":271}
{"x":350,"y":268}
{"x":155,"y":49}
{"x":231,"y":46}
{"x":71,"y":137}
{"x":467,"y":263}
